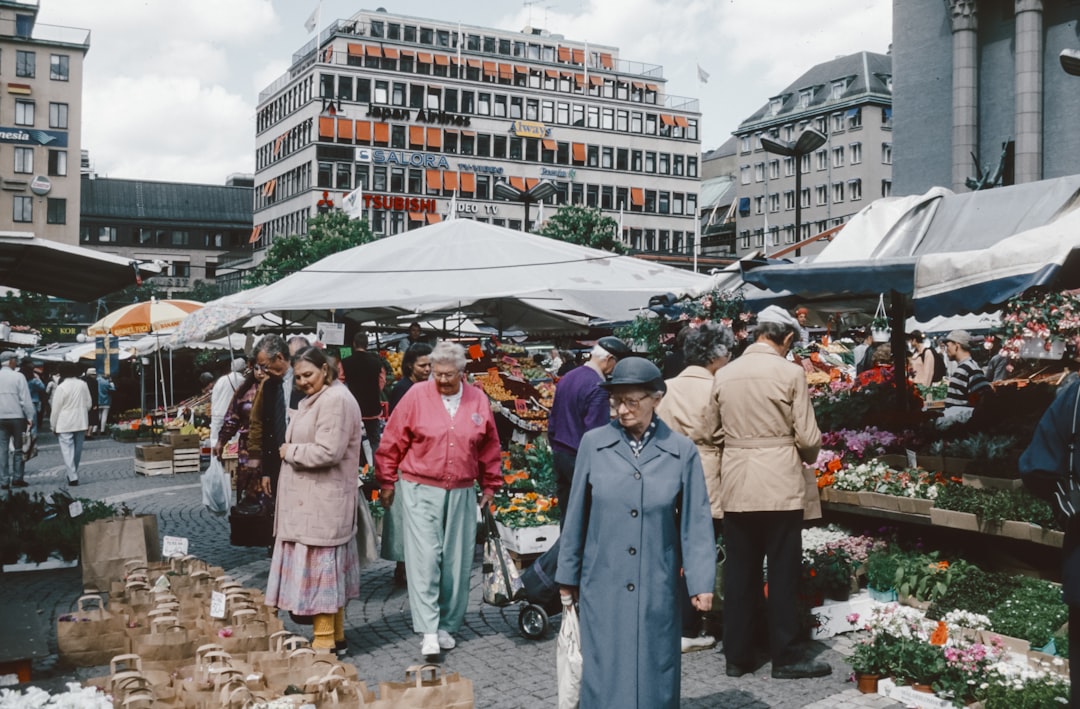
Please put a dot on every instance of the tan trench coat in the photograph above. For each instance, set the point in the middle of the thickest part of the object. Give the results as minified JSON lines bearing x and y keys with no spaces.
{"x":687,"y":409}
{"x":769,"y":430}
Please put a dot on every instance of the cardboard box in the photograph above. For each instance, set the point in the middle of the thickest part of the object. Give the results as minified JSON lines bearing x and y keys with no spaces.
{"x":988,"y":483}
{"x":914,"y":506}
{"x":153,"y":453}
{"x":956,"y":520}
{"x":181,"y":440}
{"x":528,"y":540}
{"x":879,"y":501}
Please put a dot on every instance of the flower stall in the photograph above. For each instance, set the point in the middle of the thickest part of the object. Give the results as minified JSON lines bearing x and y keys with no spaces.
{"x":525,"y":507}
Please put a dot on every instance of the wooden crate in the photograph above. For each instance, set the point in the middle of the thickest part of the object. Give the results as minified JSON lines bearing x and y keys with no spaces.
{"x":186,"y":460}
{"x":153,"y":453}
{"x":153,"y":467}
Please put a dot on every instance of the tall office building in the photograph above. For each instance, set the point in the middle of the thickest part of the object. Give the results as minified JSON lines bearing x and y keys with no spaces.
{"x":849,"y":100}
{"x":41,"y":72}
{"x":422,"y":114}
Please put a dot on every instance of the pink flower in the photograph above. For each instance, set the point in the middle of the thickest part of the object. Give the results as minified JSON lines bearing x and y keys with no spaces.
{"x":853,"y":618}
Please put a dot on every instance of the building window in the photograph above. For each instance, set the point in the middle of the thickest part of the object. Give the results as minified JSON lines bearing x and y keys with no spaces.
{"x":855,"y":190}
{"x":805,"y":97}
{"x":58,"y":115}
{"x":24,"y":160}
{"x":759,"y":172}
{"x":57,"y":211}
{"x":759,"y":204}
{"x":775,"y":106}
{"x":744,"y":144}
{"x":804,"y":197}
{"x":886,"y":188}
{"x":744,"y":174}
{"x":774,"y":169}
{"x":855,"y":151}
{"x":822,"y":194}
{"x":789,"y":199}
{"x":25,"y":63}
{"x":59,"y":69}
{"x":774,"y":203}
{"x":838,"y":88}
{"x":837,"y":122}
{"x":24,"y":112}
{"x":854,"y":118}
{"x":58,"y":163}
{"x":24,"y":209}
{"x":789,"y":166}
{"x":838,"y":157}
{"x":822,"y":159}
{"x":838,"y":192}
{"x":886,"y":153}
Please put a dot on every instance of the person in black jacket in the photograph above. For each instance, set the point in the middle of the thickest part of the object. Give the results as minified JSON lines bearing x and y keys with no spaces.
{"x":1045,"y":463}
{"x":364,"y":376}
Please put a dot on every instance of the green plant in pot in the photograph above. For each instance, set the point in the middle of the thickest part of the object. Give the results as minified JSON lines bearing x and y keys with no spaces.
{"x":833,"y":569}
{"x":881,"y":567}
{"x":875,"y":656}
{"x":919,"y":663}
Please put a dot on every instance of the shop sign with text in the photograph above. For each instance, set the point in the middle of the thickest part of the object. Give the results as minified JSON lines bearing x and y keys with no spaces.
{"x":399,"y":203}
{"x":530,"y":129}
{"x":441,"y":118}
{"x":33,"y":136}
{"x":378,"y":156}
{"x":479,"y":169}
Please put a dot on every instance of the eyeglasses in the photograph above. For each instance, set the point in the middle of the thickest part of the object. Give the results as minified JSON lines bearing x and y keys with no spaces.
{"x":631,"y":403}
{"x":446,"y":376}
{"x":260,"y":367}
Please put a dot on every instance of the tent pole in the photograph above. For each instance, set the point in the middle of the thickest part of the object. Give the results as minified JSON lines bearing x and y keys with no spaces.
{"x":898,"y":341}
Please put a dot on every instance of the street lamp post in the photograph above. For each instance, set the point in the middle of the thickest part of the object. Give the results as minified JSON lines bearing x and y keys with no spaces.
{"x":808,"y":141}
{"x":537,"y":193}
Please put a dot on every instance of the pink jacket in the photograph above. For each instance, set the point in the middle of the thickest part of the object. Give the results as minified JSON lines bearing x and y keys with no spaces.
{"x":317,"y":490}
{"x":428,"y":447}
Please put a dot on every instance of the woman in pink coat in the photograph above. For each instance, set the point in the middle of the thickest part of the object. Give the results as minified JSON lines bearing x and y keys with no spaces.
{"x":316,"y":566}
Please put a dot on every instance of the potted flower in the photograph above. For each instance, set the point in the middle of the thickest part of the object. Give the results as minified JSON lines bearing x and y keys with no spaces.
{"x":833,"y":568}
{"x":881,"y":567}
{"x":919,"y":663}
{"x":872,"y":659}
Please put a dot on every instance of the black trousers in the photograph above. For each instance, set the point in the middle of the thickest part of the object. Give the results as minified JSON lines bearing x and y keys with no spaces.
{"x":563,"y":463}
{"x":750,"y":538}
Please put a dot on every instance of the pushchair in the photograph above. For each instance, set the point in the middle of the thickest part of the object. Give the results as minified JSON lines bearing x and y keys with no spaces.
{"x":541,"y":595}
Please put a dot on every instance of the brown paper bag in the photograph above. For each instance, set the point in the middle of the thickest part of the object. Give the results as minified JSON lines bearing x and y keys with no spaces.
{"x":91,"y":635}
{"x":280,"y":644}
{"x":108,"y":544}
{"x":127,"y":675}
{"x":167,"y":642}
{"x":444,"y":691}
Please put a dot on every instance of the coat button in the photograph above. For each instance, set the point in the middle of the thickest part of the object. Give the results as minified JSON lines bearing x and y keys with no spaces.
{"x":633,"y":513}
{"x":637,"y":476}
{"x":629,"y":587}
{"x":632,"y":551}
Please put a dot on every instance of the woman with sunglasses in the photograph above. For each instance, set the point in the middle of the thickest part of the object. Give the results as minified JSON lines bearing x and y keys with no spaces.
{"x":638,"y":513}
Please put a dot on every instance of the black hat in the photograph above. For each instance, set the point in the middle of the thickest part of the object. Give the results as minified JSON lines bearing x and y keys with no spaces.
{"x":636,"y":371}
{"x":615,"y":346}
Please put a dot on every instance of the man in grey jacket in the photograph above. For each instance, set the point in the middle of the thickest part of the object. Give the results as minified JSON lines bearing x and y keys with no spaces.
{"x":16,"y":414}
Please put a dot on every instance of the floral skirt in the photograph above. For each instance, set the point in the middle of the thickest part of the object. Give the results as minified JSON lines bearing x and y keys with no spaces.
{"x":310,"y":580}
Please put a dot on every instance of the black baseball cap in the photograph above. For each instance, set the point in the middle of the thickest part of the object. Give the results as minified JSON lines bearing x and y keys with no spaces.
{"x":615,"y":346}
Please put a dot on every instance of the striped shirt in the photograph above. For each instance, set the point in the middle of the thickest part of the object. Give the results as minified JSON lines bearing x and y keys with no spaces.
{"x":966,"y":384}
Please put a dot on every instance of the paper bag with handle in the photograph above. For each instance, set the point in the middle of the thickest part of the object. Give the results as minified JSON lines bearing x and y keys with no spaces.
{"x":91,"y":636}
{"x":108,"y":544}
{"x":426,"y":687}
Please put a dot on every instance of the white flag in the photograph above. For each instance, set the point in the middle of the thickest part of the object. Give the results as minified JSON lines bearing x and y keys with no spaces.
{"x":453,"y":207}
{"x":622,"y":234}
{"x":353,"y":203}
{"x":540,"y":213}
{"x":313,"y":20}
{"x":702,"y":75}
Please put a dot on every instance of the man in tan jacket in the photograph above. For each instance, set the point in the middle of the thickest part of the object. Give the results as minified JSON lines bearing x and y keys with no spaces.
{"x":769,"y":433}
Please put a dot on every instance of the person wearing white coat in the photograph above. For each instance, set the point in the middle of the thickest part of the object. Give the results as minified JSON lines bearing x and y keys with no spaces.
{"x":70,"y":418}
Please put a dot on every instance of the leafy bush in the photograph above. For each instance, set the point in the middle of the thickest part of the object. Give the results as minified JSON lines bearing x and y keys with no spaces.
{"x":1032,"y":612}
{"x":977,"y":591}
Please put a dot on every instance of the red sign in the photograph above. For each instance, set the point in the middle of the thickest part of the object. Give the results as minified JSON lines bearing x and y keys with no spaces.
{"x":397,"y":203}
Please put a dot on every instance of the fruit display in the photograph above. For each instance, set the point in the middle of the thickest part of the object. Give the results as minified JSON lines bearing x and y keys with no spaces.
{"x":394,"y":360}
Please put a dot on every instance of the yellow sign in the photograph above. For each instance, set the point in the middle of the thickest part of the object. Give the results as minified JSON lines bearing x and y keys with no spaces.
{"x":531,"y":129}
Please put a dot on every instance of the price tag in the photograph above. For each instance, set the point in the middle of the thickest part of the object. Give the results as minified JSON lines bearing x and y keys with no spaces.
{"x":509,"y":360}
{"x":476,"y":352}
{"x":217,"y":604}
{"x":75,"y":508}
{"x":174,"y":546}
{"x":521,"y":407}
{"x":516,"y":372}
{"x":911,"y":458}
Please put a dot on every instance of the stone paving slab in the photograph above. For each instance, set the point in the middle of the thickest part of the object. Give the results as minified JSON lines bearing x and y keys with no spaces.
{"x":508,"y":670}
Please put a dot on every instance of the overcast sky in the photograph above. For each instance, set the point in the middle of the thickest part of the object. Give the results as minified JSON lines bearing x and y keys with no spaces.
{"x":171,"y":85}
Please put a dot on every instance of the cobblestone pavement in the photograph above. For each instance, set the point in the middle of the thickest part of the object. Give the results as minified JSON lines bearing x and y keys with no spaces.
{"x":508,"y":670}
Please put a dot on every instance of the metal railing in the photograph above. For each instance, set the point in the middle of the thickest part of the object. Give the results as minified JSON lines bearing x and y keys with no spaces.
{"x":61,"y":34}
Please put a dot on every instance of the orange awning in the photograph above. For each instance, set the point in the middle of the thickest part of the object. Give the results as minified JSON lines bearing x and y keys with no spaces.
{"x":579,"y":56}
{"x":449,"y":180}
{"x":434,"y":218}
{"x":255,"y":232}
{"x":434,"y":138}
{"x":454,"y":59}
{"x":681,"y":121}
{"x":640,"y":86}
{"x":606,"y":61}
{"x":390,"y":53}
{"x":468,"y":182}
{"x":373,"y":50}
{"x":408,"y":53}
{"x":490,"y":69}
{"x":474,"y":63}
{"x":531,"y":182}
{"x":345,"y":128}
{"x":579,"y":79}
{"x":550,"y":144}
{"x":416,"y":136}
{"x":434,"y":179}
{"x":382,"y":133}
{"x":363,"y":131}
{"x":565,"y":55}
{"x":637,"y":196}
{"x":579,"y":152}
{"x":326,"y":127}
{"x":506,"y":71}
{"x":596,"y":80}
{"x":442,"y":60}
{"x":667,"y":120}
{"x":521,"y":69}
{"x":552,"y":73}
{"x":356,"y":50}
{"x":518,"y":182}
{"x":423,"y":57}
{"x":651,"y":87}
{"x":416,"y":216}
{"x":470,"y":133}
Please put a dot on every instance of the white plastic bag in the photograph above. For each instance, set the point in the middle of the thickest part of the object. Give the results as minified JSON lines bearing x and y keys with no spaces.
{"x":215,"y":488}
{"x":569,"y":657}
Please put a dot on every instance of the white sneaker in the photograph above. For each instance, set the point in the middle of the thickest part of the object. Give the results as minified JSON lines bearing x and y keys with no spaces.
{"x":701,"y":642}
{"x":446,"y":641}
{"x":430,"y":646}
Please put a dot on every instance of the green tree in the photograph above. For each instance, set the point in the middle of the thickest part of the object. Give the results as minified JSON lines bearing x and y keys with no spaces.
{"x":585,"y":226}
{"x":328,"y":233}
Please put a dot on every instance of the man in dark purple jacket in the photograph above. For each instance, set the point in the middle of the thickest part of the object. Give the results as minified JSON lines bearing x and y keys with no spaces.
{"x":580,"y":405}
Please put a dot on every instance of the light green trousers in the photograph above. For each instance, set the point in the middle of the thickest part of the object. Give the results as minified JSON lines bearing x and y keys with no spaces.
{"x":440,"y":540}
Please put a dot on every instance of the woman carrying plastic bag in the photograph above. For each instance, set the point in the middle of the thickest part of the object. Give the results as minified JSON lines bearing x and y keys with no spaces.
{"x":569,"y":656}
{"x":216,"y":495}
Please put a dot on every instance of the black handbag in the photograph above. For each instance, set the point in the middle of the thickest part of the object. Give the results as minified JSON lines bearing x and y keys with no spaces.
{"x":251,"y":522}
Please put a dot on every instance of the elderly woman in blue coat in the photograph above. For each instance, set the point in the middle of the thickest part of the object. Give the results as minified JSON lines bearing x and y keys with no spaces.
{"x":638,"y":513}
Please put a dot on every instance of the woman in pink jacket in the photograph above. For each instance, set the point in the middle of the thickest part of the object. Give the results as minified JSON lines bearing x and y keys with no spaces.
{"x":441,"y":438}
{"x":316,"y":567}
